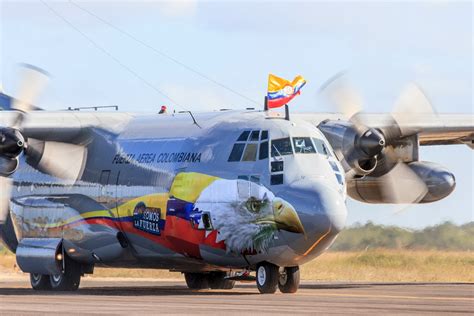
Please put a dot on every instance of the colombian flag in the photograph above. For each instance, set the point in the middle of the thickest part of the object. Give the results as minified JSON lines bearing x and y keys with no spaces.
{"x":281,"y":91}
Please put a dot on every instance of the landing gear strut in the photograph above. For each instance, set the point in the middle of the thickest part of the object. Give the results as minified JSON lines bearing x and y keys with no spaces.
{"x":269,"y":277}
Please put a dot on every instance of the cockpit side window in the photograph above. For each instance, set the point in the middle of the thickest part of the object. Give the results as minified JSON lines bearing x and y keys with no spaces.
{"x":244,"y":136}
{"x":236,"y":152}
{"x":248,"y":145}
{"x":281,"y":147}
{"x":254,"y":136}
{"x":321,"y":147}
{"x":263,"y":152}
{"x":303,"y":145}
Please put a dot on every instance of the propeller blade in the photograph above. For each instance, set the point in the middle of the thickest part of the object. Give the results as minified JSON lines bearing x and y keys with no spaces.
{"x":33,"y":81}
{"x":342,"y":95}
{"x":412,"y":107}
{"x":402,"y":186}
{"x":5,"y":193}
{"x":61,"y":160}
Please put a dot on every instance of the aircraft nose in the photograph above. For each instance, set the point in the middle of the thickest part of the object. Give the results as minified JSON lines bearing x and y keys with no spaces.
{"x":322,"y":211}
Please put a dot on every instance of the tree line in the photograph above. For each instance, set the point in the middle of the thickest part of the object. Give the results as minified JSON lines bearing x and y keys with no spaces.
{"x":445,"y":236}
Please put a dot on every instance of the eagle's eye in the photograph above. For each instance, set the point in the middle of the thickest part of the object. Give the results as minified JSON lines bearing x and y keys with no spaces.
{"x":254,"y":205}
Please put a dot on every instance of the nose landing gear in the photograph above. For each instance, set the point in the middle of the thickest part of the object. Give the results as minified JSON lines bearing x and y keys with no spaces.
{"x":289,"y":280}
{"x":269,"y":277}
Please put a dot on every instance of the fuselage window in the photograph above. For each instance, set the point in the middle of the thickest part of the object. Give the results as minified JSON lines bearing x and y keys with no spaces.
{"x":250,"y":153}
{"x":321,"y":147}
{"x":281,"y":147}
{"x":276,"y":179}
{"x":263,"y":151}
{"x":334,"y":166}
{"x":236,"y":152}
{"x":264,"y":135}
{"x":303,"y":145}
{"x":277,"y":166}
{"x":244,"y":136}
{"x":255,"y":179}
{"x":254,"y":136}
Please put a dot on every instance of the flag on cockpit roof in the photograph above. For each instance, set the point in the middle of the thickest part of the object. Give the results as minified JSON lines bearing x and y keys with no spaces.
{"x":282,"y":91}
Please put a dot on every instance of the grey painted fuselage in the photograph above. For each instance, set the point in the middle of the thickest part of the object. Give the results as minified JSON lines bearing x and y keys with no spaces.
{"x":146,"y":160}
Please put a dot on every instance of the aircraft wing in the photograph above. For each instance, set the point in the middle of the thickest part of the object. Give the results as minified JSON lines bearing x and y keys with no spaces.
{"x":440,"y":129}
{"x":66,"y":126}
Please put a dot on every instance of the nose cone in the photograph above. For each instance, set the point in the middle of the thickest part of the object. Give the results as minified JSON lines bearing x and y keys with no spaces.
{"x":322,"y":211}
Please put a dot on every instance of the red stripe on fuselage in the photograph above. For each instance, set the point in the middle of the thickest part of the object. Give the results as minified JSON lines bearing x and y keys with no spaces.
{"x":178,"y":235}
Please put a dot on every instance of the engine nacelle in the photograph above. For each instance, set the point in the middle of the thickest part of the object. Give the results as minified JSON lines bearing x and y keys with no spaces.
{"x":439,"y":182}
{"x":355,"y":149}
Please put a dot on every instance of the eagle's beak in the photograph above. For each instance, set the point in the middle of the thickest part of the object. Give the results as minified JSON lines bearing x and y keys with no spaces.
{"x":286,"y":217}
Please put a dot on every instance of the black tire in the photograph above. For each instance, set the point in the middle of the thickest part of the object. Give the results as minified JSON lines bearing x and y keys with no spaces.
{"x":217,"y":281}
{"x":70,"y":279}
{"x":197,"y":281}
{"x":40,"y":282}
{"x":267,"y":278}
{"x":289,"y":280}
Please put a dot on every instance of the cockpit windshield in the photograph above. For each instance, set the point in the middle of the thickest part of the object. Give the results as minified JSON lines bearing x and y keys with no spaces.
{"x":321,"y":147}
{"x":303,"y":145}
{"x":281,"y":147}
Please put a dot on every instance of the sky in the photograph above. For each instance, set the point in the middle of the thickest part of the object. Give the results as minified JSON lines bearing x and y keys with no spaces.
{"x":201,"y":50}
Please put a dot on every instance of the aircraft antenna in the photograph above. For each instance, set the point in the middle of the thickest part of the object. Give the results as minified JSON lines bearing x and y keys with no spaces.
{"x":192,"y":116}
{"x":163,"y":54}
{"x":108,"y":54}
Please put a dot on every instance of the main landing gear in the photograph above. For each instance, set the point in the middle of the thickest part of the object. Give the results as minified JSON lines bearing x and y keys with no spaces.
{"x":270,"y":276}
{"x":67,"y":280}
{"x":213,"y":280}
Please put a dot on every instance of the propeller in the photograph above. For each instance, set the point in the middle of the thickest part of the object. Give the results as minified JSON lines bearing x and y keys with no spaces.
{"x":34,"y":81}
{"x":62,"y":160}
{"x":399,"y":184}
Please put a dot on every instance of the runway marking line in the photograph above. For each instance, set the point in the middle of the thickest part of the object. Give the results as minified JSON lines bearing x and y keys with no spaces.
{"x":433,"y":298}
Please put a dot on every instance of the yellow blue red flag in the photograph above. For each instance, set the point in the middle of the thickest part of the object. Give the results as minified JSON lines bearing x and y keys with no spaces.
{"x":282,"y":91}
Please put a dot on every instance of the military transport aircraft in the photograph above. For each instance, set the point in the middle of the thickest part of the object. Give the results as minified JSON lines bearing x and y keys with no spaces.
{"x":213,"y":195}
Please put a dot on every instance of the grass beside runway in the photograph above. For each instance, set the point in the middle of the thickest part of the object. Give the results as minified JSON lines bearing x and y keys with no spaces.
{"x":379,"y":265}
{"x":392,"y":266}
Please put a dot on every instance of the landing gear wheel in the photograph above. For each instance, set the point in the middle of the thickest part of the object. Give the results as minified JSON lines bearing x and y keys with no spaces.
{"x":40,"y":282}
{"x":69,"y":279}
{"x":217,"y":281}
{"x":267,"y":278}
{"x":197,"y":281}
{"x":289,"y":280}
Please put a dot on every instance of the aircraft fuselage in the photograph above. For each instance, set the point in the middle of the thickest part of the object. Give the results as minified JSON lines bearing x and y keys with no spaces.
{"x":236,"y":189}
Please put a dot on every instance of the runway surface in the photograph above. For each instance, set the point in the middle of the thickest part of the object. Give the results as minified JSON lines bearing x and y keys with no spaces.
{"x":112,"y":297}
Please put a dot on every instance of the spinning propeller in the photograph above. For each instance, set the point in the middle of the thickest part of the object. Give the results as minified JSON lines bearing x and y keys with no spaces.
{"x":62,"y":160}
{"x":375,"y":146}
